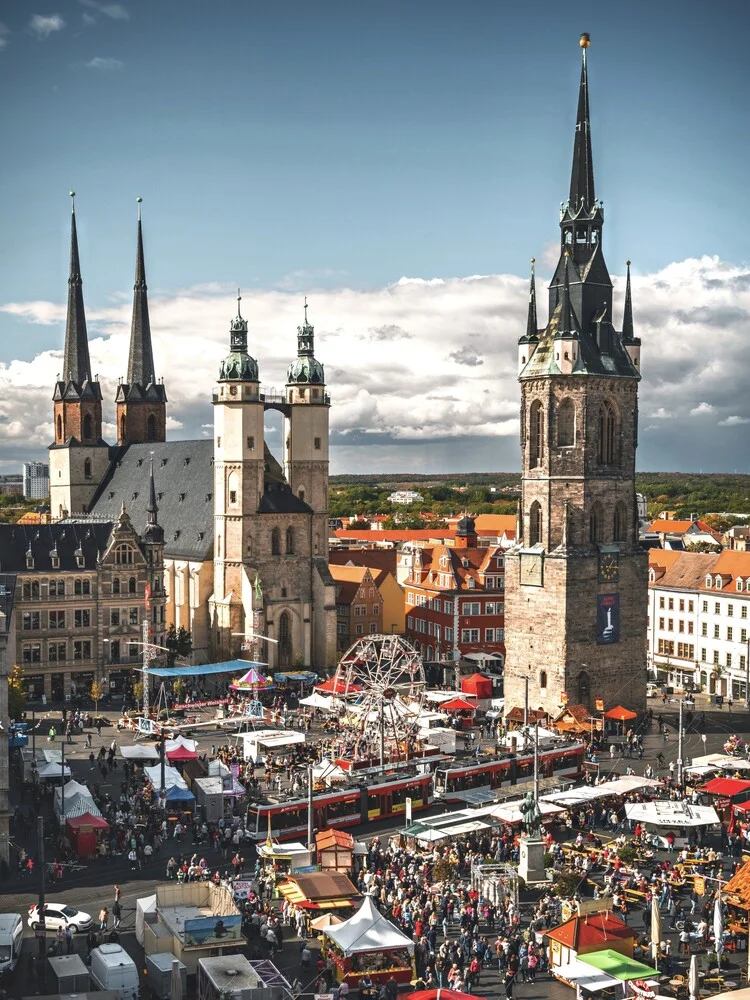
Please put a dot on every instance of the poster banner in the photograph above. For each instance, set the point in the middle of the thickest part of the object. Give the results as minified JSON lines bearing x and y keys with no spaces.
{"x":202,"y":931}
{"x":607,"y":619}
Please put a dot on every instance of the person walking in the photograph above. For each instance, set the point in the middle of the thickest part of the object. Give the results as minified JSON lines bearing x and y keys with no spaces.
{"x":103,"y":919}
{"x":116,"y":914}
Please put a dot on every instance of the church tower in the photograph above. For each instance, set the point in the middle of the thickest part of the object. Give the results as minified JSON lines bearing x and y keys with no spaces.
{"x":79,"y":457}
{"x":239,"y":471}
{"x":576,"y":582}
{"x":306,"y":433}
{"x":141,"y":400}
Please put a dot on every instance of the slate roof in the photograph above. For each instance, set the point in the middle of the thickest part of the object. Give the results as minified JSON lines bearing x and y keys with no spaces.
{"x":16,"y":539}
{"x":184,"y":479}
{"x":7,"y":596}
{"x":688,"y":571}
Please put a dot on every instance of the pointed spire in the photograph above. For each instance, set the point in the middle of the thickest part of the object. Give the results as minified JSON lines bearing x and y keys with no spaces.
{"x":582,"y":175}
{"x":627,"y":317}
{"x":76,"y":362}
{"x":152,"y":509}
{"x":305,"y":337}
{"x":141,"y":357}
{"x":566,"y":313}
{"x":532,"y":330}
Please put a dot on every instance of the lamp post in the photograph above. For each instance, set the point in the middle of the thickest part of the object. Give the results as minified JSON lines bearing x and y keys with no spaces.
{"x":41,"y":929}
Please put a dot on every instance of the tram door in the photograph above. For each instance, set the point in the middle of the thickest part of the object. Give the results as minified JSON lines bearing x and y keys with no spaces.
{"x":513,"y":772}
{"x":363,"y":804}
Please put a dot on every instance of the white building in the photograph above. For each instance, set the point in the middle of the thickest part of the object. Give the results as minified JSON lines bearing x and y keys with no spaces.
{"x":405,"y":497}
{"x":35,"y":480}
{"x":699,"y":620}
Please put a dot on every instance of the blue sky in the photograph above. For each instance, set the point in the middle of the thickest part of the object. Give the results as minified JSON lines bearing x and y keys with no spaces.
{"x":295,"y":146}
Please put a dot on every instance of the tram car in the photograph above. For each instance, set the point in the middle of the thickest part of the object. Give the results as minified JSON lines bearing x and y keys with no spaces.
{"x":565,"y":761}
{"x":354,"y":805}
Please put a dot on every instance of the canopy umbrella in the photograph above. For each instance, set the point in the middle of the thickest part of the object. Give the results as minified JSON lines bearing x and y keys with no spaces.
{"x":316,"y":700}
{"x":181,"y":753}
{"x":177,"y":794}
{"x":718,"y":928}
{"x":458,"y":705}
{"x":252,"y":680}
{"x":620,"y":714}
{"x":655,"y":928}
{"x":440,"y":994}
{"x":693,"y":981}
{"x":327,"y":920}
{"x":139,"y":752}
{"x":181,"y":741}
{"x":338,"y":685}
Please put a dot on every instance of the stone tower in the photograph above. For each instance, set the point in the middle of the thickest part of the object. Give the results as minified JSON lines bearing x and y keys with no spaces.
{"x":141,"y":400}
{"x":79,"y":457}
{"x":306,"y":433}
{"x":576,"y":583}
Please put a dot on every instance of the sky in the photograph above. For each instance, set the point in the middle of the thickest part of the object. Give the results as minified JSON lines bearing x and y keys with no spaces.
{"x":398,"y":163}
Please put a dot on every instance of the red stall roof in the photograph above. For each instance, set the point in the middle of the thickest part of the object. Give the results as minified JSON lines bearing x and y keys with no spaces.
{"x":726,"y":786}
{"x":458,"y":705}
{"x":478,"y":685}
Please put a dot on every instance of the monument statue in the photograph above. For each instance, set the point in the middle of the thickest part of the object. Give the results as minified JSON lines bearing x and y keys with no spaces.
{"x":532,"y":815}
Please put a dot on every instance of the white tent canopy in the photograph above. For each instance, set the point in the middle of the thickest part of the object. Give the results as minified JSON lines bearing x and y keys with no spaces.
{"x":145,"y":913}
{"x":587,"y":793}
{"x":139,"y":752}
{"x":316,"y":700}
{"x":585,"y":976}
{"x":510,"y":812}
{"x":52,"y":770}
{"x":171,"y":777}
{"x":181,"y":741}
{"x":327,"y":771}
{"x":664,"y":812}
{"x":517,"y":736}
{"x":720,"y":762}
{"x":77,"y":805}
{"x":367,"y":930}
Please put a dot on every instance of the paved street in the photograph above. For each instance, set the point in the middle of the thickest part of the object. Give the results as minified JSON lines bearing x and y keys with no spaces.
{"x":91,"y":885}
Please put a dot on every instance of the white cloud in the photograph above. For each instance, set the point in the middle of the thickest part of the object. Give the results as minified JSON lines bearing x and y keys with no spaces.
{"x":113,"y":10}
{"x":4,"y":32}
{"x":44,"y":26}
{"x":104,"y":65}
{"x":400,"y":400}
{"x":701,"y":409}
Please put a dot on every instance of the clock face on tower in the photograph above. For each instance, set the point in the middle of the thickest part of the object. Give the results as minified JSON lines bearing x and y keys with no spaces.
{"x":532,"y":569}
{"x":609,"y":567}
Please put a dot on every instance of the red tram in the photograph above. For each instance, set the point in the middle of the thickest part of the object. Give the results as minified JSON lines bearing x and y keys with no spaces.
{"x":511,"y":769}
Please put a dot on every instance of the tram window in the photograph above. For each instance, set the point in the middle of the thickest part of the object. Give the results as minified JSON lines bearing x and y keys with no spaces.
{"x":399,"y":795}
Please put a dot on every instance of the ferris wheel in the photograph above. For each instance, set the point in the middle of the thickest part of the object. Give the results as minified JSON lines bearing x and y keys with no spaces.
{"x":384,"y":678}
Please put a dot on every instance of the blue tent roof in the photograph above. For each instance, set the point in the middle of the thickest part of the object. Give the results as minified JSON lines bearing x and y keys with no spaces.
{"x":227,"y":667}
{"x":177,"y":794}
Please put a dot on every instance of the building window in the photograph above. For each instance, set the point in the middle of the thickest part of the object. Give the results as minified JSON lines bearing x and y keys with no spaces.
{"x":373,"y":627}
{"x":543,"y":679}
{"x":729,"y":659}
{"x":32,"y":653}
{"x":317,"y":444}
{"x":87,"y":468}
{"x":471,"y":608}
{"x":743,"y":611}
{"x":717,"y":607}
{"x":705,"y":607}
{"x":82,"y":618}
{"x":358,"y":630}
{"x":30,"y":621}
{"x":716,"y":657}
{"x":114,"y":616}
{"x":285,"y":639}
{"x":583,"y":687}
{"x":730,"y":610}
{"x":376,"y":609}
{"x":566,"y":424}
{"x":536,"y":434}
{"x":448,"y":607}
{"x":489,"y":635}
{"x":671,"y":603}
{"x":56,"y":652}
{"x":619,"y":524}
{"x":114,"y":651}
{"x":57,"y":619}
{"x":57,"y":588}
{"x":469,"y":635}
{"x":276,"y":542}
{"x":82,"y":650}
{"x":410,"y":598}
{"x":670,"y":625}
{"x":290,"y":541}
{"x":595,"y":524}
{"x":88,"y":432}
{"x":607,"y":450}
{"x":730,"y":633}
{"x":535,"y":523}
{"x":233,"y":497}
{"x":133,"y":612}
{"x":661,"y":603}
{"x":251,"y":443}
{"x":59,"y":429}
{"x":124,"y":554}
{"x":704,"y":628}
{"x":116,"y":586}
{"x":218,"y":442}
{"x":132,"y":585}
{"x":716,"y":631}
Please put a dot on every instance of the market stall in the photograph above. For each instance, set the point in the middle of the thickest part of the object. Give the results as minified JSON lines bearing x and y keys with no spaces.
{"x":463,"y":712}
{"x":83,"y":832}
{"x":369,"y":944}
{"x":478,"y":687}
{"x":287,"y":858}
{"x":335,"y":850}
{"x":723,"y":793}
{"x":320,"y":891}
{"x":583,"y":934}
{"x":663,"y":817}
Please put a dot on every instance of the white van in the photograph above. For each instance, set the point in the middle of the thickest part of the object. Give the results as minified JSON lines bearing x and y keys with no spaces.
{"x":11,"y":941}
{"x":113,"y":969}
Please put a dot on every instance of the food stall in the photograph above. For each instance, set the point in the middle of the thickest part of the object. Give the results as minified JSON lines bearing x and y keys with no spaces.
{"x":463,"y":712}
{"x":286,"y":858}
{"x":663,"y":816}
{"x":83,"y":830}
{"x":316,"y":891}
{"x":335,"y":850}
{"x":723,"y":793}
{"x":369,"y":944}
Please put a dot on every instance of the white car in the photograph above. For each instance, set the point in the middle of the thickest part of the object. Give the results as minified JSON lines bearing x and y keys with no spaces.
{"x":59,"y":915}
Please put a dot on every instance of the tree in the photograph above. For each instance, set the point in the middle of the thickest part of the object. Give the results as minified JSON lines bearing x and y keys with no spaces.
{"x":138,"y":690}
{"x":702,"y":546}
{"x":178,"y":690}
{"x":96,"y":691}
{"x":179,"y":642}
{"x":16,"y":696}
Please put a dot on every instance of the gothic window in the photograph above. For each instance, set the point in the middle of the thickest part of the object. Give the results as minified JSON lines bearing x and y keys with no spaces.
{"x":535,"y":523}
{"x":151,"y":428}
{"x":566,"y":423}
{"x":543,"y":679}
{"x":584,"y":688}
{"x":122,"y":428}
{"x":301,"y":493}
{"x":595,"y":524}
{"x":275,"y":542}
{"x":285,"y":639}
{"x":290,"y":541}
{"x":116,"y":586}
{"x":607,"y":435}
{"x":59,"y":429}
{"x":87,"y":469}
{"x":233,"y":485}
{"x":536,"y":434}
{"x":87,"y":427}
{"x":619,"y":526}
{"x":131,"y":585}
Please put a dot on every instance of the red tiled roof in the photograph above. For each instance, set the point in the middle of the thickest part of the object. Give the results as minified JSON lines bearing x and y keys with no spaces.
{"x":418,"y":535}
{"x":591,"y":931}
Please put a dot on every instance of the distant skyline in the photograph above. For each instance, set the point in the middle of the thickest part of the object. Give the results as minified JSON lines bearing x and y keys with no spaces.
{"x":377,"y":158}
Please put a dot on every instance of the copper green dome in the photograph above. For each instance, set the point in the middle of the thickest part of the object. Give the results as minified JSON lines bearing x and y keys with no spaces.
{"x":238,"y":366}
{"x":305,"y":370}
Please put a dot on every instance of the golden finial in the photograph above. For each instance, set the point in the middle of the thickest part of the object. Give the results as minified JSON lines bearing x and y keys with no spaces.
{"x":533,"y":260}
{"x":585,"y":40}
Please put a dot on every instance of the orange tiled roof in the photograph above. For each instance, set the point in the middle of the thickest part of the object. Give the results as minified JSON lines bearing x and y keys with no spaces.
{"x":591,"y":931}
{"x":417,"y":535}
{"x":738,"y":887}
{"x":730,"y":564}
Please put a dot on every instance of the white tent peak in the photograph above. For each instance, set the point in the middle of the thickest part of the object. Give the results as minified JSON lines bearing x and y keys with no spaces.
{"x":367,"y":930}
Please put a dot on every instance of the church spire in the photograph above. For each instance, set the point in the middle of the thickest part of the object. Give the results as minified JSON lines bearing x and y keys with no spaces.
{"x":141,"y":357}
{"x":305,"y":368}
{"x":154,"y":532}
{"x":76,"y":361}
{"x":566,"y":313}
{"x":532,"y":328}
{"x":627,"y":316}
{"x":582,"y":174}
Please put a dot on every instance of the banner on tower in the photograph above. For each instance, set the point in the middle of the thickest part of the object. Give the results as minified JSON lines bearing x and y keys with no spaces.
{"x":607,"y":619}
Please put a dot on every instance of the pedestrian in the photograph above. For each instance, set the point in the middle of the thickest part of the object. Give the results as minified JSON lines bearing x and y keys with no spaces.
{"x":69,"y":939}
{"x":103,"y":919}
{"x":117,"y":894}
{"x":116,"y":914}
{"x":510,"y":978}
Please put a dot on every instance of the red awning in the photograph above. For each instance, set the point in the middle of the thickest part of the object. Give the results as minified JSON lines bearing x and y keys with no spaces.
{"x":726,"y":786}
{"x":480,"y":686}
{"x":458,"y":705}
{"x":337,"y":685}
{"x":440,"y":994}
{"x":181,"y":753}
{"x":620,"y":714}
{"x":87,"y":819}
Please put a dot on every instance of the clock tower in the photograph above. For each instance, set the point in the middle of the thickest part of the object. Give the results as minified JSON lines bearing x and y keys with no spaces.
{"x":576,"y":582}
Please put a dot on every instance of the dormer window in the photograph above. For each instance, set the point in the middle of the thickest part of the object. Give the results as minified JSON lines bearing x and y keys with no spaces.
{"x":739,"y":583}
{"x":80,"y":561}
{"x":29,"y":560}
{"x":54,"y":559}
{"x":471,"y":583}
{"x":709,"y":582}
{"x":718,"y":582}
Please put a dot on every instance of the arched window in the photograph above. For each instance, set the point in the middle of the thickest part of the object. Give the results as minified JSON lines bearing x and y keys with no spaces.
{"x":535,"y":523}
{"x":543,"y":679}
{"x":584,"y":688}
{"x":301,"y":493}
{"x":59,"y":428}
{"x":608,"y":450}
{"x":77,"y":588}
{"x":87,"y":468}
{"x":122,"y":428}
{"x":290,"y":541}
{"x":116,"y":586}
{"x":151,"y":428}
{"x":88,"y":427}
{"x":595,"y":524}
{"x":620,"y":524}
{"x":285,"y":639}
{"x":86,"y":587}
{"x":275,"y":542}
{"x":536,"y":434}
{"x":566,"y":423}
{"x":233,"y":485}
{"x":131,"y":585}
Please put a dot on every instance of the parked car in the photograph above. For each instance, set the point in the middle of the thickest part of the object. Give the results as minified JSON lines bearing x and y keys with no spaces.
{"x":60,"y":915}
